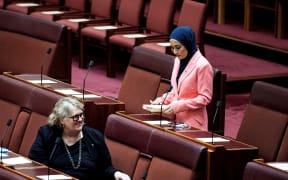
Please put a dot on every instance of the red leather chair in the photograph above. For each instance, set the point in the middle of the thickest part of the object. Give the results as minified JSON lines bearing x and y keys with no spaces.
{"x":27,"y":7}
{"x":193,"y":14}
{"x":130,"y":13}
{"x":156,"y":24}
{"x":99,"y":10}
{"x":52,"y":12}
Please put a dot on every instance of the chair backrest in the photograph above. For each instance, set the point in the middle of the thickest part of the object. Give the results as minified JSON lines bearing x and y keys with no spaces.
{"x":194,"y":14}
{"x":38,"y":35}
{"x":103,"y":8}
{"x":219,"y":92}
{"x":131,"y":12}
{"x":81,"y":5}
{"x":265,"y":119}
{"x":160,"y":22}
{"x":257,"y":170}
{"x":144,"y":77}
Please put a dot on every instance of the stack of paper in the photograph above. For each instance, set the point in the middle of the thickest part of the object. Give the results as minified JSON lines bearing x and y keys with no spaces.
{"x":154,"y":107}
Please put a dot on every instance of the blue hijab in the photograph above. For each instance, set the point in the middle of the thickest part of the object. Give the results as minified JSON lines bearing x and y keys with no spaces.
{"x":186,"y":36}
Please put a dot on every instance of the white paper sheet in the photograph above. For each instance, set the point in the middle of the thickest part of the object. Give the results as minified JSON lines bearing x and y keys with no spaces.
{"x":134,"y":35}
{"x":158,"y":122}
{"x":104,"y":27}
{"x":215,"y":139}
{"x":67,"y":91}
{"x":26,"y":4}
{"x":280,"y":165}
{"x":164,"y":44}
{"x":153,"y":107}
{"x":43,"y":81}
{"x":78,"y":20}
{"x":53,"y":177}
{"x":86,"y":96}
{"x":16,"y":160}
{"x":52,"y":12}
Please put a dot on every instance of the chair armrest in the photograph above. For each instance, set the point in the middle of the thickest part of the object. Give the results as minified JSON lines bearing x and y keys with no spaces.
{"x":71,"y":15}
{"x":47,"y":8}
{"x":124,"y":30}
{"x":151,"y":39}
{"x":96,"y":22}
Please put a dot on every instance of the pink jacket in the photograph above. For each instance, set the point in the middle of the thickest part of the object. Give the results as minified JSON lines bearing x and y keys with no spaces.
{"x":193,"y":92}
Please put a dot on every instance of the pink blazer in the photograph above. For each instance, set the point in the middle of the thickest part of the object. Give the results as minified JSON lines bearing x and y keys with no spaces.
{"x":193,"y":92}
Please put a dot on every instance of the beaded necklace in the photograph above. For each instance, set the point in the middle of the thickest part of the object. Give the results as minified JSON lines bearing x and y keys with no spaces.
{"x":80,"y":155}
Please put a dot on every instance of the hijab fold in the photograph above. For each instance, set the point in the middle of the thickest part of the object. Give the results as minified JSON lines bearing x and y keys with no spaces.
{"x":186,"y":36}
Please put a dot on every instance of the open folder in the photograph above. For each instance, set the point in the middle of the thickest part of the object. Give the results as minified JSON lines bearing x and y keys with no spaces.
{"x":154,"y":107}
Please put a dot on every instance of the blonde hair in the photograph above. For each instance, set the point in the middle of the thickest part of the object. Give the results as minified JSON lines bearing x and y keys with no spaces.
{"x":62,"y":109}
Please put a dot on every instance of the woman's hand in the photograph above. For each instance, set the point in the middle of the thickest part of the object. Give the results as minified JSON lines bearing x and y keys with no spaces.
{"x":121,"y":176}
{"x":169,"y":109}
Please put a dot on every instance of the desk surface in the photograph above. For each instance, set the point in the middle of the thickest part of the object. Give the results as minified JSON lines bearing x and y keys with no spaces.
{"x":226,"y":159}
{"x":29,"y":170}
{"x":97,"y":107}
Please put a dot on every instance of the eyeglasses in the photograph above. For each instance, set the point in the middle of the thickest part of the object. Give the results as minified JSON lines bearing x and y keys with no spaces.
{"x":76,"y":117}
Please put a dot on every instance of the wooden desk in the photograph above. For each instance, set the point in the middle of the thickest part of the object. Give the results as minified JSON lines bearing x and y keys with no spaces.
{"x":97,"y":108}
{"x":226,"y":160}
{"x":28,"y":170}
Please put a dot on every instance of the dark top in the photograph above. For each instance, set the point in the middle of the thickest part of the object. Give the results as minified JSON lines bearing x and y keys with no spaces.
{"x":95,"y":159}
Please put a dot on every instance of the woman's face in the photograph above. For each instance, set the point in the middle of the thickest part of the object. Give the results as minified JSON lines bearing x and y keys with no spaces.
{"x":178,"y":49}
{"x":74,"y":122}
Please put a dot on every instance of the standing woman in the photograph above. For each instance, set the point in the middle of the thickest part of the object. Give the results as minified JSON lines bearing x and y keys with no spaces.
{"x":191,"y":80}
{"x":67,"y":145}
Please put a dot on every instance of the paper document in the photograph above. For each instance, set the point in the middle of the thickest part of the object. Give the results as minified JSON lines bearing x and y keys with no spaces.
{"x":86,"y":96}
{"x":51,"y":177}
{"x":154,"y":107}
{"x":158,"y":122}
{"x":26,"y":4}
{"x":16,"y":160}
{"x":104,"y":27}
{"x":67,"y":91}
{"x":78,"y":20}
{"x":43,"y":81}
{"x":215,"y":139}
{"x":164,"y":44}
{"x":279,"y":165}
{"x":134,"y":35}
{"x":52,"y":12}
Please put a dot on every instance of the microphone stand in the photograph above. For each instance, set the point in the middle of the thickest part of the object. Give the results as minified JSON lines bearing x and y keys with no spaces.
{"x":51,"y":155}
{"x":91,"y":63}
{"x":218,"y":105}
{"x":43,"y":62}
{"x":8,"y":123}
{"x":161,"y":105}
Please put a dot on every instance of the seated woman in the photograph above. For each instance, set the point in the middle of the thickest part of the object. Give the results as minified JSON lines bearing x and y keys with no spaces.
{"x":191,"y":80}
{"x":67,"y":145}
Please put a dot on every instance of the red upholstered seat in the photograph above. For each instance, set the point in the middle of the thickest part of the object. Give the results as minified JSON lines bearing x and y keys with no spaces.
{"x":130,"y":13}
{"x":193,"y":14}
{"x":156,"y":24}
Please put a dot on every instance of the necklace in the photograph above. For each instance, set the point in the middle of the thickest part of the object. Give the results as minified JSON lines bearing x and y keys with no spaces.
{"x":80,"y":155}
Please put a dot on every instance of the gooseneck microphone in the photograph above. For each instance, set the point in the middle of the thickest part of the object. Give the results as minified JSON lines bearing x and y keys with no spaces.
{"x":8,"y":123}
{"x":91,"y":63}
{"x":218,"y":105}
{"x":43,"y":63}
{"x":58,"y":139}
{"x":161,"y":105}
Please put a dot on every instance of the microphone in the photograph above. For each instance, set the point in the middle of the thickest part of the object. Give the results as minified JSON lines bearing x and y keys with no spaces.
{"x":58,"y":139}
{"x":91,"y":63}
{"x":218,"y":105}
{"x":161,"y":105}
{"x":43,"y":63}
{"x":8,"y":123}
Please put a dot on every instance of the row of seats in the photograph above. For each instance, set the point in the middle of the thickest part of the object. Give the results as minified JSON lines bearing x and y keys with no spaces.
{"x":158,"y":155}
{"x":31,"y":45}
{"x":104,"y":23}
{"x":23,"y":104}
